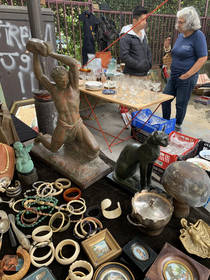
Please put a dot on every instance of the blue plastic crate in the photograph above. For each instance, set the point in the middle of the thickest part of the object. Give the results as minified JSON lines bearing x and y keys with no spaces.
{"x":149,"y":127}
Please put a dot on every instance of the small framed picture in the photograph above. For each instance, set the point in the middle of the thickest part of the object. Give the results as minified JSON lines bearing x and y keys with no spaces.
{"x":139,"y":253}
{"x":101,"y":248}
{"x":171,"y":263}
{"x":174,"y":268}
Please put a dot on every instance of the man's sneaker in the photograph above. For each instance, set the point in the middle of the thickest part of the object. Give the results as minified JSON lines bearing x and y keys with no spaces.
{"x":178,"y":128}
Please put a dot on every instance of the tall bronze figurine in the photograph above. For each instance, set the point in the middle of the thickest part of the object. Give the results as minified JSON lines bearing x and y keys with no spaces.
{"x":135,"y":156}
{"x":79,"y":144}
{"x":66,"y":96}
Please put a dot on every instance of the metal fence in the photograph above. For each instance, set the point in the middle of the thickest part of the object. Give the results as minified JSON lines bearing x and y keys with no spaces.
{"x":69,"y":30}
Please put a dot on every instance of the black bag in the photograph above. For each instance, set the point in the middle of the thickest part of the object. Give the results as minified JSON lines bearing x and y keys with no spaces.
{"x":106,"y":30}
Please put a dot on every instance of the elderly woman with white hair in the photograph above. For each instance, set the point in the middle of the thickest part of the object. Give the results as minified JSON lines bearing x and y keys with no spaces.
{"x":189,"y":53}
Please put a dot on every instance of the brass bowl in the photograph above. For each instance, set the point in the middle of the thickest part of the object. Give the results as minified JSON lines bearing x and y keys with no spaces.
{"x":152,"y":210}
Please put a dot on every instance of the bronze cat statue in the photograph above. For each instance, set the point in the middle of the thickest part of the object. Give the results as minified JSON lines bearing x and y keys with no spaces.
{"x":143,"y":156}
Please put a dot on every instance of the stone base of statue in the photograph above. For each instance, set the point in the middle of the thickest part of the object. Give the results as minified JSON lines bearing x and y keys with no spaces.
{"x":27,"y":179}
{"x":73,"y":163}
{"x":131,"y":186}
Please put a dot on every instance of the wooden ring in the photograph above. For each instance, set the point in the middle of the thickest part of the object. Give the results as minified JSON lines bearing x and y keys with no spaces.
{"x":72,"y":190}
{"x":22,"y":272}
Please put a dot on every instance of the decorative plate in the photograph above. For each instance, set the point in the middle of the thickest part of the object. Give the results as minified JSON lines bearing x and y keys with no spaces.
{"x":201,"y":163}
{"x":114,"y":271}
{"x":205,"y":154}
{"x":109,"y":84}
{"x":108,"y":91}
{"x":93,"y":84}
{"x":94,"y":88}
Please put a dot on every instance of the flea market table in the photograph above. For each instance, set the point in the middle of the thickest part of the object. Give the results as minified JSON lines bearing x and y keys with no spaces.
{"x":110,"y":98}
{"x":120,"y":228}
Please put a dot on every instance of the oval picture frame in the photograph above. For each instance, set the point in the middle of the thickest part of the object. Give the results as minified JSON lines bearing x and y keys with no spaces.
{"x":140,"y":252}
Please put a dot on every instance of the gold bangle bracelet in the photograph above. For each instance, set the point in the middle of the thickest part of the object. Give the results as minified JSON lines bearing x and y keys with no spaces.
{"x":39,"y":187}
{"x":82,"y":199}
{"x":67,"y":217}
{"x":58,"y":192}
{"x":49,"y":193}
{"x":53,"y":218}
{"x":16,"y":202}
{"x":63,"y":180}
{"x":75,"y":210}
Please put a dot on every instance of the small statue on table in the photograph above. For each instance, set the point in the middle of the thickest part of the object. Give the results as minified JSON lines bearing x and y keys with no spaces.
{"x":196,"y":238}
{"x":143,"y":156}
{"x":24,"y":164}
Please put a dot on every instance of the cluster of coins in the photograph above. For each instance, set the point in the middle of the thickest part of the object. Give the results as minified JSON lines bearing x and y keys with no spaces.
{"x":13,"y":191}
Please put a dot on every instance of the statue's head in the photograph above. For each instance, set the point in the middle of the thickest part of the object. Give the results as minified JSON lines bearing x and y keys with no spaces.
{"x":18,"y":146}
{"x":160,"y":138}
{"x":60,"y":76}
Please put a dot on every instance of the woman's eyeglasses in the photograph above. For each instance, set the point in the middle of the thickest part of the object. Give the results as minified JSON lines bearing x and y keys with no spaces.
{"x":181,"y":22}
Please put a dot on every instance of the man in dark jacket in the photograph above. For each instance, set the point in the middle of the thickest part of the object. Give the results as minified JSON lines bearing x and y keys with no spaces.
{"x":134,"y":48}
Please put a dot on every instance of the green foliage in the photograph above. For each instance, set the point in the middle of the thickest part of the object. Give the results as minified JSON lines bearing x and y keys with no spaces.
{"x":158,"y":28}
{"x":170,"y":7}
{"x":69,"y":27}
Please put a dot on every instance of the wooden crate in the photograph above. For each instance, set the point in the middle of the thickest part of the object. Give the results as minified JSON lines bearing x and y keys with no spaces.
{"x":202,"y":91}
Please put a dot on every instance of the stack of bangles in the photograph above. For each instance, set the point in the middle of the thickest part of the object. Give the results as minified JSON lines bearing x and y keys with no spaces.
{"x":58,"y":252}
{"x":46,"y":189}
{"x":40,"y":242}
{"x":76,"y":211}
{"x":167,"y":50}
{"x":89,"y":221}
{"x":74,"y":274}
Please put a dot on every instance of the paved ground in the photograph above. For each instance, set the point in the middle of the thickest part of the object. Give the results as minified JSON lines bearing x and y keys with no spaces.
{"x":196,"y":124}
{"x":110,"y":120}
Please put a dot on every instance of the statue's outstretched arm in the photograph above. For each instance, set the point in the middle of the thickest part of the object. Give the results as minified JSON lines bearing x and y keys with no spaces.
{"x":72,"y":63}
{"x":43,"y":79}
